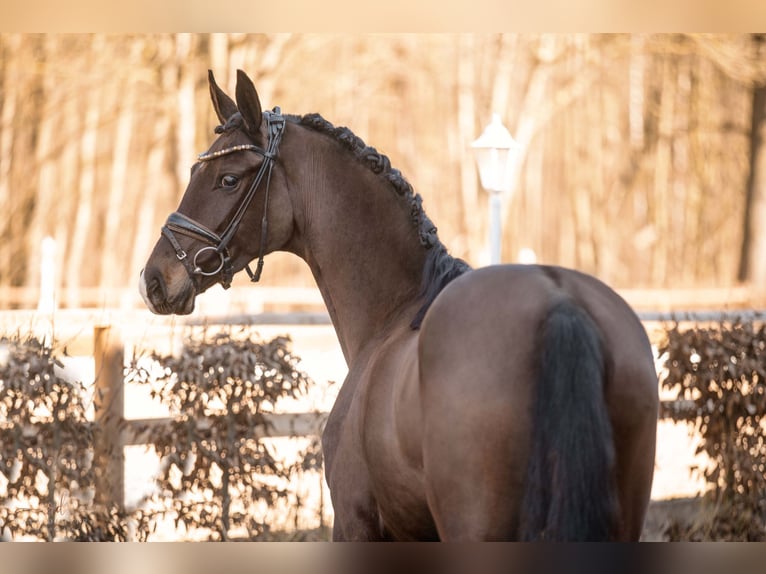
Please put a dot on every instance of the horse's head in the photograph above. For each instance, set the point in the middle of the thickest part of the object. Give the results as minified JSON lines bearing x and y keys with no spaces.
{"x":221,"y":222}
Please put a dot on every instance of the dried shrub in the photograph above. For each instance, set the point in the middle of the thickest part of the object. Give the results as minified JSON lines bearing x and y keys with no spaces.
{"x":215,"y":475}
{"x":46,"y":450}
{"x":720,"y":371}
{"x":216,"y":469}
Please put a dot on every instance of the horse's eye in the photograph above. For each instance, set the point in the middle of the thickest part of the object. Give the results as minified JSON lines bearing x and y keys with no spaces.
{"x":229,"y":181}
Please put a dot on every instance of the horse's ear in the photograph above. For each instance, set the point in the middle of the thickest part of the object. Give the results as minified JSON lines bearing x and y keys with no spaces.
{"x":248,"y":103}
{"x":224,"y":106}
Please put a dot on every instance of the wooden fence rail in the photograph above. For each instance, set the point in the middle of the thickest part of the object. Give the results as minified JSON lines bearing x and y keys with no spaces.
{"x":741,"y":296}
{"x":112,"y":431}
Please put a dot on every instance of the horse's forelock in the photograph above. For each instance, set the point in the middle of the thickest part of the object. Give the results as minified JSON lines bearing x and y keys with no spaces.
{"x":234,"y":122}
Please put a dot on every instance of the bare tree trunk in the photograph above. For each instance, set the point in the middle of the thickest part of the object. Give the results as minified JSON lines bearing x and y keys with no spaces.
{"x":695,"y":199}
{"x":269,"y":60}
{"x":23,"y":176}
{"x":45,"y":195}
{"x":9,"y":69}
{"x":681,"y":192}
{"x":636,"y":93}
{"x":529,"y":120}
{"x":466,"y":112}
{"x":159,"y":193}
{"x":662,"y":172}
{"x":81,"y":230}
{"x":185,"y":142}
{"x":111,"y":260}
{"x":514,"y":231}
{"x":502,"y":80}
{"x":67,"y":183}
{"x":147,"y":230}
{"x":752,"y":266}
{"x":218,"y":48}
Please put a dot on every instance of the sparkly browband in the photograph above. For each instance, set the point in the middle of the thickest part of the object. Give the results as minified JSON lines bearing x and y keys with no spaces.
{"x":208,"y":155}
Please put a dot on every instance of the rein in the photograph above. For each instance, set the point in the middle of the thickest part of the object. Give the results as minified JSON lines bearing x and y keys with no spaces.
{"x":178,"y":223}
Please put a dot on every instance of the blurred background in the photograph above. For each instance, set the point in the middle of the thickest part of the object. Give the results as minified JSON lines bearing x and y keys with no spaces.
{"x":642,"y":157}
{"x":642,"y":160}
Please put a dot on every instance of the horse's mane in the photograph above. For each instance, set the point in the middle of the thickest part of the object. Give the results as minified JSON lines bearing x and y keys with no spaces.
{"x":440,"y":267}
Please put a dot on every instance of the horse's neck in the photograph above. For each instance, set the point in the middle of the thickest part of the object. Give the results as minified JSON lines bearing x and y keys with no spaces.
{"x":361,"y":246}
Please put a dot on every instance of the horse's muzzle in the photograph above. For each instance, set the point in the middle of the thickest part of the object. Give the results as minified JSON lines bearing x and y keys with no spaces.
{"x":155,"y":293}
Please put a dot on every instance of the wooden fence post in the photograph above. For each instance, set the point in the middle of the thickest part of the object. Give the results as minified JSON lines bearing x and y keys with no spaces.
{"x":109,"y":403}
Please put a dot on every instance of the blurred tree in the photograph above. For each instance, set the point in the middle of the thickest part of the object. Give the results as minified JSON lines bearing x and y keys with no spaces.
{"x":633,"y":163}
{"x":752,"y":266}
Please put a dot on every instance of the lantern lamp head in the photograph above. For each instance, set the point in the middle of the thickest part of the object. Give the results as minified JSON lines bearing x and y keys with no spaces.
{"x":496,"y":151}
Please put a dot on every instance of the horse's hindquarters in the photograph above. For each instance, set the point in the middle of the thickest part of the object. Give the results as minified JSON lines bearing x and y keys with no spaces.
{"x":479,"y":366}
{"x":475,"y":366}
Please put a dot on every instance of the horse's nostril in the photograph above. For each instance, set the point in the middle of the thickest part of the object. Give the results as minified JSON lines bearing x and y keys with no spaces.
{"x":153,"y":285}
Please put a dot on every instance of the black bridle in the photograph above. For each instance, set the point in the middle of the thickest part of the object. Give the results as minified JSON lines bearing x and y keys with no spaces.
{"x":178,"y":223}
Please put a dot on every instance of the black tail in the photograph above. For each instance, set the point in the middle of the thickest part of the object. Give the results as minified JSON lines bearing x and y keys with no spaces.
{"x":570,"y":487}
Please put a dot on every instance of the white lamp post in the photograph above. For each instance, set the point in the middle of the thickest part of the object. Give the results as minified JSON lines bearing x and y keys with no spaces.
{"x":495,"y":151}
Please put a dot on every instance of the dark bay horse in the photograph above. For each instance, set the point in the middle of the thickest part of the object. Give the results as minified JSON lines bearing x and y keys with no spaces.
{"x":507,"y":402}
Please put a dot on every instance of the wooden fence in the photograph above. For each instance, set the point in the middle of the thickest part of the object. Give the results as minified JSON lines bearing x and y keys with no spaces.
{"x":265,"y":298}
{"x":116,"y":431}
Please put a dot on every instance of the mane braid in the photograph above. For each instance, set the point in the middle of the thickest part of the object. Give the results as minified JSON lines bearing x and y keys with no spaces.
{"x":440,"y":267}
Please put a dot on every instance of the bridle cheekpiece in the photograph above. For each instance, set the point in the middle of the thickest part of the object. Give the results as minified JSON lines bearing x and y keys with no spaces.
{"x":178,"y":223}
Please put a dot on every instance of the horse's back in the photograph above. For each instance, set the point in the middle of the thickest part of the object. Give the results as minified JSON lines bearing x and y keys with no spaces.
{"x":479,"y":356}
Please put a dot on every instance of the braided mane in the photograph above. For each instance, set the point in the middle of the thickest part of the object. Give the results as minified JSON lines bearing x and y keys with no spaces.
{"x":440,"y":267}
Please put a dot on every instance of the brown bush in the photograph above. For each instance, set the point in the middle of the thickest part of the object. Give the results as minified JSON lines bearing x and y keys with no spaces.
{"x":47,"y":479}
{"x":232,"y":381}
{"x":720,"y":370}
{"x":46,"y":451}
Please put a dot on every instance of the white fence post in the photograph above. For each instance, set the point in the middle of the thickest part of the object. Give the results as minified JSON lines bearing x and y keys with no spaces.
{"x":47,"y":299}
{"x":46,"y":302}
